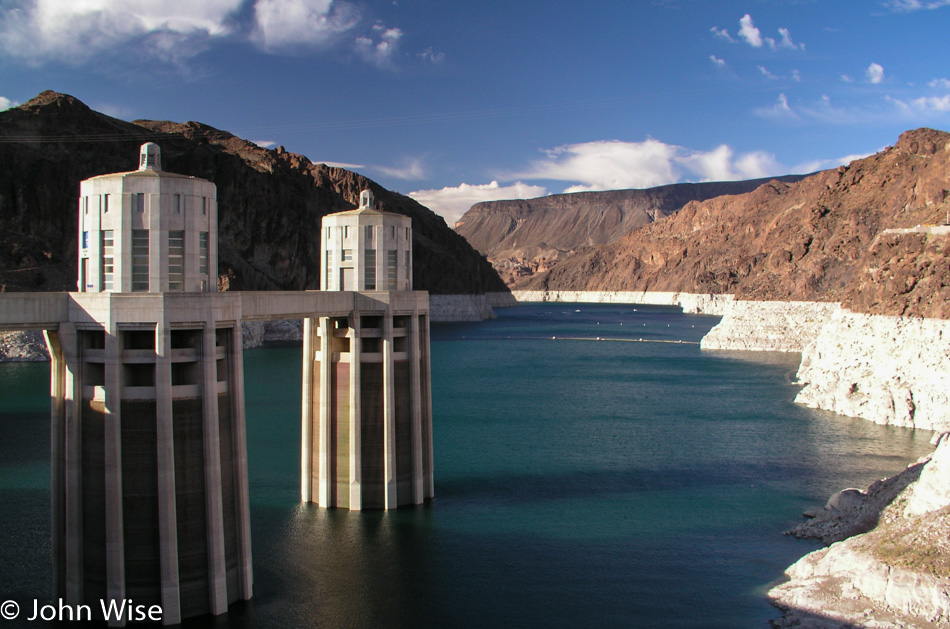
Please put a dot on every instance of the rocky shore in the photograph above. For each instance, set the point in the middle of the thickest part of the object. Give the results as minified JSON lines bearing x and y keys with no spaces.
{"x":888,"y":564}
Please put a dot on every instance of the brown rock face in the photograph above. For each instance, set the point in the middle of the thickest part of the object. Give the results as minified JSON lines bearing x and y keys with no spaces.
{"x":269,"y":202}
{"x":819,"y":239}
{"x":524,"y":237}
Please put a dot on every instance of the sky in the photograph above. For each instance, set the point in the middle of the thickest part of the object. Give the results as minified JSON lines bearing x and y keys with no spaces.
{"x":458,"y":102}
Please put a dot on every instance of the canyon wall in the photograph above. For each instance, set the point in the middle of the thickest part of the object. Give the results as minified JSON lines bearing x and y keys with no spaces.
{"x":889,"y":370}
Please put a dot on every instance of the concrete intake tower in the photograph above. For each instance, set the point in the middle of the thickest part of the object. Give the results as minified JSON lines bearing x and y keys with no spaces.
{"x":149,"y":483}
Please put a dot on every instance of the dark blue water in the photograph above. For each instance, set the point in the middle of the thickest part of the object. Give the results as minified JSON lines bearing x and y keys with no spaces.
{"x":610,"y":483}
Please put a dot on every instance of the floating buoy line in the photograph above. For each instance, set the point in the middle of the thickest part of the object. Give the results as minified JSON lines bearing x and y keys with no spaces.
{"x":577,"y":338}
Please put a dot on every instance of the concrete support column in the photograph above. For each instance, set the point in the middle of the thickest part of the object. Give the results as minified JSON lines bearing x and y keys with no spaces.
{"x":235,"y":357}
{"x":167,"y":508}
{"x":217,"y":571}
{"x":427,"y":399}
{"x":71,"y":476}
{"x":115,"y":539}
{"x":323,"y":419}
{"x":57,"y":385}
{"x":306,"y":412}
{"x":356,"y":468}
{"x":390,"y":500}
{"x":418,"y":489}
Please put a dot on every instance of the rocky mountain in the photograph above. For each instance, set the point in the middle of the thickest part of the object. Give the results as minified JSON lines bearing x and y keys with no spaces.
{"x":270,"y":202}
{"x":823,"y":238}
{"x":524,"y":237}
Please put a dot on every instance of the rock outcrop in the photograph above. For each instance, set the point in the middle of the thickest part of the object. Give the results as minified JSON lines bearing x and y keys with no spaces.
{"x":524,"y":237}
{"x":270,"y":202}
{"x":891,"y":568}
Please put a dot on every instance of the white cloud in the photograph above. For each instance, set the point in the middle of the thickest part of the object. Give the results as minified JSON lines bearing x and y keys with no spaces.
{"x":824,"y":164}
{"x":749,"y":32}
{"x":944,"y":83}
{"x":796,"y":76}
{"x":451,"y":203}
{"x":615,"y":165}
{"x":380,"y":47}
{"x":283,"y":23}
{"x":719,"y":62}
{"x":345,"y":165}
{"x":264,"y":144}
{"x":431,"y":56}
{"x":70,"y":30}
{"x":766,"y":73}
{"x":608,"y":165}
{"x":932,"y":103}
{"x":75,"y":31}
{"x":412,"y":169}
{"x":786,"y":41}
{"x":779,"y":110}
{"x":874,"y":73}
{"x":6,"y":103}
{"x":722,"y":33}
{"x":916,"y":5}
{"x":847,"y":79}
{"x":753,"y":36}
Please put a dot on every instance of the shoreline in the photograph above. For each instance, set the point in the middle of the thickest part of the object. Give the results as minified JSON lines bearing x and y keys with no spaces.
{"x":889,"y":370}
{"x":888,"y":559}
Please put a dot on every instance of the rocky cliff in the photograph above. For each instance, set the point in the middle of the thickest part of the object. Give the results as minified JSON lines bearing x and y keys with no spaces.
{"x":820,"y":239}
{"x":270,"y":202}
{"x":525,"y":237}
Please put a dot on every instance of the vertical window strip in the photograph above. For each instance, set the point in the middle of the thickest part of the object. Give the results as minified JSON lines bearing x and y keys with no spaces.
{"x":369,"y":272}
{"x":107,"y":259}
{"x":140,"y":260}
{"x":176,"y":260}
{"x":203,"y":253}
{"x":391,"y":268}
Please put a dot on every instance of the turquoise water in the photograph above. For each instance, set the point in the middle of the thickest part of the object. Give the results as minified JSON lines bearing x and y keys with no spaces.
{"x":610,"y":483}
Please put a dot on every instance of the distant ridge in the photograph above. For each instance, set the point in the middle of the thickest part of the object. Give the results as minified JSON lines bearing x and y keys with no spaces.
{"x":820,"y":239}
{"x":524,"y":237}
{"x":270,"y":201}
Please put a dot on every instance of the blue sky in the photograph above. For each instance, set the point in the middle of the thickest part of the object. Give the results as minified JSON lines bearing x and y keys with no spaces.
{"x":456,"y":102}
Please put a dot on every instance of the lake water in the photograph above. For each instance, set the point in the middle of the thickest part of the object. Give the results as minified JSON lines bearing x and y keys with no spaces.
{"x":579,"y":483}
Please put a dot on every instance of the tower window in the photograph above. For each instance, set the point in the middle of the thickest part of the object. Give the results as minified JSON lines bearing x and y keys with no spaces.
{"x":391,"y":268}
{"x":369,"y":233}
{"x":177,"y":204}
{"x":346,"y":255}
{"x":105,"y":203}
{"x":369,"y":271}
{"x":176,"y":260}
{"x":203,"y":253}
{"x":140,"y":260}
{"x":107,"y":260}
{"x":138,"y":202}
